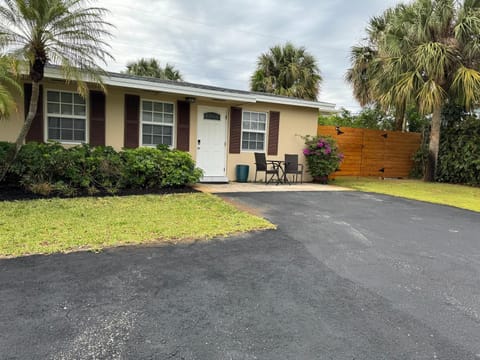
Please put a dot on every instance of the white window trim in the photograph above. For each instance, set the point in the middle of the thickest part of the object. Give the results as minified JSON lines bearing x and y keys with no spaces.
{"x":45,"y":117}
{"x":174,"y":125}
{"x":267,"y":121}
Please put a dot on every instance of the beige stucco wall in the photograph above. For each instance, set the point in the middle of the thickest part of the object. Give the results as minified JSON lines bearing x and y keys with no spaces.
{"x":10,"y":128}
{"x":114,"y":117}
{"x":294,"y":123}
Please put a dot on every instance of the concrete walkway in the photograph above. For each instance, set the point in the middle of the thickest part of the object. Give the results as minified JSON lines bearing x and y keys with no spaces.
{"x":235,"y":187}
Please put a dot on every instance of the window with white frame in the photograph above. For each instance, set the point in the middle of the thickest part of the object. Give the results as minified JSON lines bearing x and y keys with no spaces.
{"x":66,"y":117}
{"x":157,"y":123}
{"x":254,"y":125}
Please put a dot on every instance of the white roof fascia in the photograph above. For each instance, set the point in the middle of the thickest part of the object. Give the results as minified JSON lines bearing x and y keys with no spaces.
{"x":55,"y":73}
{"x":323,"y":106}
{"x":174,"y":89}
{"x":161,"y":87}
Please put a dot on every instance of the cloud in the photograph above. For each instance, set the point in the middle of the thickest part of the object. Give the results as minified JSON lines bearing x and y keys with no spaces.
{"x":218,"y":43}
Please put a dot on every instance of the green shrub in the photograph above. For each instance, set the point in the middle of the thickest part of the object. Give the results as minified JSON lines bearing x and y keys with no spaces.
{"x":51,"y":168}
{"x":142,"y":168}
{"x":459,"y":152}
{"x":89,"y":168}
{"x":155,"y":168}
{"x":420,"y":161}
{"x":459,"y":155}
{"x":38,"y":163}
{"x":178,"y":168}
{"x":5,"y":148}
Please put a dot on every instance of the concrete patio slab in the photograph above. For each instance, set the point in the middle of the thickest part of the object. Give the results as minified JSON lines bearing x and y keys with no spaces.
{"x":236,"y":187}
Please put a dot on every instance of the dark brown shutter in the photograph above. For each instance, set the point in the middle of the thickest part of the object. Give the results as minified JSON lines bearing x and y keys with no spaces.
{"x":97,"y":118}
{"x":273,"y":129}
{"x":36,"y":129}
{"x":183,"y":125}
{"x":132,"y":120}
{"x":235,"y":130}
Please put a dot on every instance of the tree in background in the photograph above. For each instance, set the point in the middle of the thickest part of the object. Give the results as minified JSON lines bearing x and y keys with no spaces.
{"x":344,"y":118}
{"x":430,"y":57}
{"x":368,"y":118}
{"x":62,"y":32}
{"x":374,"y":117}
{"x":152,"y":68}
{"x":287,"y":70}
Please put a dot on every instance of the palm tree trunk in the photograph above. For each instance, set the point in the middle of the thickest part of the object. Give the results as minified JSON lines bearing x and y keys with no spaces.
{"x":32,"y":111}
{"x":400,"y":116}
{"x":434,"y":144}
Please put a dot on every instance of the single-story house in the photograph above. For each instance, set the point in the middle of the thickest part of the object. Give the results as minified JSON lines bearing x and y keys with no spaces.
{"x":219,"y":127}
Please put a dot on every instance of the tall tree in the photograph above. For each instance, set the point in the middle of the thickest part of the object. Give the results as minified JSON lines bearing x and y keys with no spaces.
{"x":436,"y":62}
{"x":365,"y":75}
{"x":152,"y":68}
{"x":63,"y":32}
{"x":429,"y":55}
{"x":287,"y":70}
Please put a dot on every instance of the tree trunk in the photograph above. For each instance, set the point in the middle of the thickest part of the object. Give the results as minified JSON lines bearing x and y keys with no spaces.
{"x":400,"y":116}
{"x":433,"y":145}
{"x":32,"y":110}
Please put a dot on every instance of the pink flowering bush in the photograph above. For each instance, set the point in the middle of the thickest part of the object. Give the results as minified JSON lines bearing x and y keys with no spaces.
{"x":322,"y":155}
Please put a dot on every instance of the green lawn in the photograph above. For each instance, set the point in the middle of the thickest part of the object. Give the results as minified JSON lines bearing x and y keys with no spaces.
{"x":465,"y":197}
{"x":63,"y":225}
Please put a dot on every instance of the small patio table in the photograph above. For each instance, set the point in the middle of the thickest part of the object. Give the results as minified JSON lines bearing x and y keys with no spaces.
{"x":281,"y":176}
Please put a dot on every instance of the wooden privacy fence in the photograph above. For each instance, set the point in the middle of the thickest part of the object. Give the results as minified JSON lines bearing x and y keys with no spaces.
{"x":374,"y":152}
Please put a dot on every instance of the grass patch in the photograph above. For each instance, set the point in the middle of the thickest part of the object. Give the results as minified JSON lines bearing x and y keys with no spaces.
{"x":464,"y":197}
{"x":63,"y":225}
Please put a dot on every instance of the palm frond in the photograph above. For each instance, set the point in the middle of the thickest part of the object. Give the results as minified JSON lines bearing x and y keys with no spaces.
{"x":430,"y":96}
{"x":466,"y":86}
{"x":9,"y":85}
{"x":435,"y":59}
{"x":62,"y":32}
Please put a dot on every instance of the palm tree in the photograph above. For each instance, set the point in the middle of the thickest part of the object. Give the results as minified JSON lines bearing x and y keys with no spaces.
{"x":171,"y":73}
{"x":62,"y":32}
{"x":152,"y":68}
{"x":145,"y":67}
{"x":8,"y":83}
{"x":435,"y":62}
{"x":361,"y":73}
{"x":287,"y":70}
{"x":366,"y":75}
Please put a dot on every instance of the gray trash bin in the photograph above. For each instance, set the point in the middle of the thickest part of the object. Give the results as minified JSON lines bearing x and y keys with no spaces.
{"x":242,"y":173}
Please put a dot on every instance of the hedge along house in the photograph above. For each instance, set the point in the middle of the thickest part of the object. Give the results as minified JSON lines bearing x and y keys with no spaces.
{"x":219,"y":127}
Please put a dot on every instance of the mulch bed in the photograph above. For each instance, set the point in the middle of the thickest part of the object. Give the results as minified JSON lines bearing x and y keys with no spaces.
{"x":10,"y":193}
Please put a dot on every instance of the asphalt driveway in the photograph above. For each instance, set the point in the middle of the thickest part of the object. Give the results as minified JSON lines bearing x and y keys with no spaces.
{"x":347,"y":275}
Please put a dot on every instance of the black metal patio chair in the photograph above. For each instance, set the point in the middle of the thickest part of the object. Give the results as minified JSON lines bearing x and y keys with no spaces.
{"x":293,"y":167}
{"x":261,"y":164}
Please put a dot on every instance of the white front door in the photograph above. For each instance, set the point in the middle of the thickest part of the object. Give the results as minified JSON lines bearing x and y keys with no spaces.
{"x":212,"y":143}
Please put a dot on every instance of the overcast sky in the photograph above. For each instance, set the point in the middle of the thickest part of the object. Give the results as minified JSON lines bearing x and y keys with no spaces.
{"x":218,"y":42}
